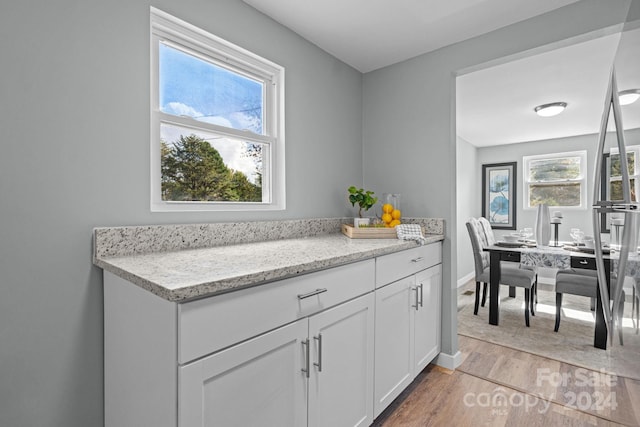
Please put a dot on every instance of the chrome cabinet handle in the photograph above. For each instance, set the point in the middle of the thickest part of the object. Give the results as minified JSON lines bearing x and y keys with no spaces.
{"x":415,"y":288}
{"x":305,"y":349}
{"x":584,"y":262}
{"x":420,"y":258}
{"x":319,"y":363}
{"x":421,"y":295}
{"x":312,"y":293}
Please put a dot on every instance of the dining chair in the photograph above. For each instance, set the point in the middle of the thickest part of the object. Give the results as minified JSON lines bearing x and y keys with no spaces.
{"x":510,"y":273}
{"x":491,"y":240}
{"x":585,"y":283}
{"x":575,"y":282}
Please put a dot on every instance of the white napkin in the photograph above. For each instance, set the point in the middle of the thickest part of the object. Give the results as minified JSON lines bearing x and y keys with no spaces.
{"x":410,"y":232}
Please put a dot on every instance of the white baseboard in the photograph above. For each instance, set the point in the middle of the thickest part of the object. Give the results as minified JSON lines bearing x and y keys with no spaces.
{"x":448,"y":361}
{"x":464,"y":279}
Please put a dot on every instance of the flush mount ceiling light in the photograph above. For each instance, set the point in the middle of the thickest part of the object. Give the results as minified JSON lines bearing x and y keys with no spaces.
{"x":552,"y":109}
{"x":628,"y":96}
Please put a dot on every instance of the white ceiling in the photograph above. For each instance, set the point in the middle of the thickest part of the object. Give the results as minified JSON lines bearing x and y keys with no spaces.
{"x":370,"y":34}
{"x":494,"y":105}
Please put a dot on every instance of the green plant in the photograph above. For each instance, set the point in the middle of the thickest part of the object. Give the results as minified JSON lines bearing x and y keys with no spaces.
{"x":364,"y":199}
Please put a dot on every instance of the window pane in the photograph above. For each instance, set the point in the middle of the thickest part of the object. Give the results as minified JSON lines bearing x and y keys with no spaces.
{"x":615,"y":164}
{"x":203,"y":166}
{"x":562,"y":194}
{"x":545,"y":170}
{"x":192,"y":87}
{"x":615,"y":190}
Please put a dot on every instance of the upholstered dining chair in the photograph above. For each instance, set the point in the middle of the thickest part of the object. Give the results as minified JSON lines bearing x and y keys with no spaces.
{"x":511,"y":273}
{"x":575,"y":282}
{"x":579,"y":282}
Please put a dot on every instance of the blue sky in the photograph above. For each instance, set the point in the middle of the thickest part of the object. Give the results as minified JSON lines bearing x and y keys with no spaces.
{"x":192,"y":87}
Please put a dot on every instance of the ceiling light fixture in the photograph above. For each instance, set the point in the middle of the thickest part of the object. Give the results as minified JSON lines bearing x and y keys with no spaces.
{"x":628,"y":96}
{"x":552,"y":109}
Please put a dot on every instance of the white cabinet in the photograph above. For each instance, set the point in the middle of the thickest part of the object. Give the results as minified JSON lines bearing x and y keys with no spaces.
{"x":255,"y":383}
{"x":427,"y":317}
{"x":330,"y":348}
{"x":407,"y":332}
{"x":393,"y":341}
{"x":341,"y":365}
{"x":325,"y":362}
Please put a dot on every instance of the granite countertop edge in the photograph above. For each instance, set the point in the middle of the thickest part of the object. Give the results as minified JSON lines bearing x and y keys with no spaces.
{"x":170,"y":276}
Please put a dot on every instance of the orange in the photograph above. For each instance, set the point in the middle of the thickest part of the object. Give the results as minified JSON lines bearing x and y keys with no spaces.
{"x":387,"y":208}
{"x":396,"y":214}
{"x":387,"y":218}
{"x":394,"y":223}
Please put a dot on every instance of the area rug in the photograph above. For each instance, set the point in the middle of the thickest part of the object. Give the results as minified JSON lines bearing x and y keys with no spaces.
{"x":572,"y":344}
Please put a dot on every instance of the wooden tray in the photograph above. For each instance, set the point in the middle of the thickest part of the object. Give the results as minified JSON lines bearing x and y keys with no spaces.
{"x":369,"y":232}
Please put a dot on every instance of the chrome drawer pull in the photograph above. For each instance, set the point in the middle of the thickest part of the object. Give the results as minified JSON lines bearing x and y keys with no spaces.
{"x":420,"y":258}
{"x":305,"y":349}
{"x":319,"y":363}
{"x":584,"y":262}
{"x":312,"y":293}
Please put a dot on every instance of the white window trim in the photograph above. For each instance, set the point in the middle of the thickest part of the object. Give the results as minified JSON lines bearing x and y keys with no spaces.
{"x":582,"y":179}
{"x":173,"y":30}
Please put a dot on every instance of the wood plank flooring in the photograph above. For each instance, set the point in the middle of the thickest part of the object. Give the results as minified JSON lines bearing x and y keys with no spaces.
{"x":499,"y":386}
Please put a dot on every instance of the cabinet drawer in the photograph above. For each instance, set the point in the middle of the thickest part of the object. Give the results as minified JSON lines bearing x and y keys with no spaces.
{"x":392,"y":267}
{"x":214,"y":323}
{"x":583,"y":262}
{"x":510,"y":256}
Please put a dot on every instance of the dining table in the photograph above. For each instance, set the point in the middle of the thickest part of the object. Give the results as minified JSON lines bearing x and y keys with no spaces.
{"x":531,"y":256}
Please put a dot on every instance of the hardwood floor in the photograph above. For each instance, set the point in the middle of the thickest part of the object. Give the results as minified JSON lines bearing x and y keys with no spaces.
{"x":499,"y":386}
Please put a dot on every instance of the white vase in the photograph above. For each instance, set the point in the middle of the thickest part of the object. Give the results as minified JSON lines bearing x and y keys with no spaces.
{"x":543,"y":225}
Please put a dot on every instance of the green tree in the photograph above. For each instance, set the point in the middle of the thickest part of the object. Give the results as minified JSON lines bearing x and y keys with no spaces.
{"x":193,"y":170}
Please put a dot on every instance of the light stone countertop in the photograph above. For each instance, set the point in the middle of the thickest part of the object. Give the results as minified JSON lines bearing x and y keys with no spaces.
{"x":185,"y":262}
{"x":188,"y":274}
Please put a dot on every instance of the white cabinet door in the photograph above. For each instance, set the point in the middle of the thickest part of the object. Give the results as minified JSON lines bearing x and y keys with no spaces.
{"x":427,"y":323}
{"x":256,"y":383}
{"x":394,"y":337}
{"x":341,"y":363}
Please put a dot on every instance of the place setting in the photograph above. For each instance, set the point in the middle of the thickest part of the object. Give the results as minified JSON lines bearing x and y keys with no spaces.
{"x":583,"y":243}
{"x":518,"y":239}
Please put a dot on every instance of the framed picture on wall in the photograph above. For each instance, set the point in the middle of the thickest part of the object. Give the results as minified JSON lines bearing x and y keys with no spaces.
{"x":499,"y":188}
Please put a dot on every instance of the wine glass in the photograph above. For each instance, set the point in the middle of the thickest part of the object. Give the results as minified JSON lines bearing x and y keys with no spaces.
{"x":526,"y":233}
{"x":573,"y":235}
{"x":577,"y":235}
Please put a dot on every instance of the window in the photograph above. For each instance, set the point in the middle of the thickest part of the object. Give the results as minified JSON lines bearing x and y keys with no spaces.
{"x":614,"y":173}
{"x":217,"y":123}
{"x":558,"y":180}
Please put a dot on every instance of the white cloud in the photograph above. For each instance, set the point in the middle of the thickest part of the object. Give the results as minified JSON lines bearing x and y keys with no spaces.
{"x":180,"y":109}
{"x":216,"y":120}
{"x":232,"y":154}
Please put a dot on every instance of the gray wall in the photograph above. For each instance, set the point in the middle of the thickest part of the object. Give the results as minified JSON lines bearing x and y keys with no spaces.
{"x":580,"y":218}
{"x":468,"y":204}
{"x":74,"y":114}
{"x":409,"y":121}
{"x":470,"y":179}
